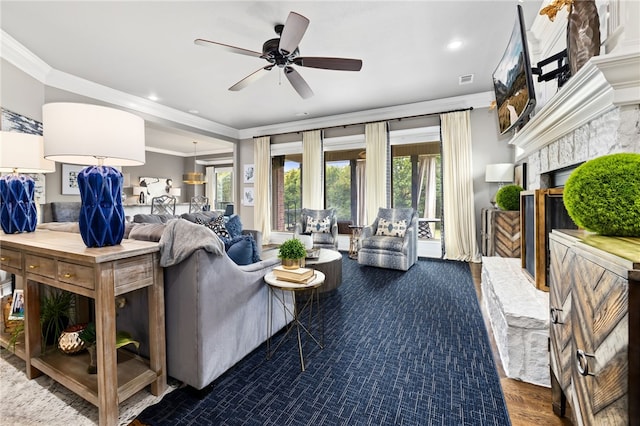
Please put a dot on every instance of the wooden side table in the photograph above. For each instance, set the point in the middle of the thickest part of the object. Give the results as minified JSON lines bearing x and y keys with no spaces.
{"x":278,"y":289}
{"x":61,"y":260}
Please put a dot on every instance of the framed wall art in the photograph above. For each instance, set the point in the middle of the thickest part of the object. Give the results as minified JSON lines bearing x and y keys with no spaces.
{"x":249,"y":173}
{"x":247,"y":196}
{"x":70,"y":179}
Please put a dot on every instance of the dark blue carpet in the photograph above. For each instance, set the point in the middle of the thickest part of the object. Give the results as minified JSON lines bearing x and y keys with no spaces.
{"x":403,"y":348}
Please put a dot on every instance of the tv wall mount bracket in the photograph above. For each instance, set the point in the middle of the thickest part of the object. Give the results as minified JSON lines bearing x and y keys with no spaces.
{"x":561,"y":73}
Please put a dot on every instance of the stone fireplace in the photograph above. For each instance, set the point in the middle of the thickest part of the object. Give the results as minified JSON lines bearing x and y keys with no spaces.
{"x":596,"y":113}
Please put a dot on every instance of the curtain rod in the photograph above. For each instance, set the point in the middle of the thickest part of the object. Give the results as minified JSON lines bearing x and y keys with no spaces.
{"x":368,"y":122}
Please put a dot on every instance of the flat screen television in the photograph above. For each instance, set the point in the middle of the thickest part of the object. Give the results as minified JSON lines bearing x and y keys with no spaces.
{"x":513,"y":80}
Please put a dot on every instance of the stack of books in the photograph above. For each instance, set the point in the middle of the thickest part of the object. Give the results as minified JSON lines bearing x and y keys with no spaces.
{"x":300,"y":275}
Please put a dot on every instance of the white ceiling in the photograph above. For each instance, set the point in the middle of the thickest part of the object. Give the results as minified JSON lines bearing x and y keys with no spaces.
{"x":146,"y":48}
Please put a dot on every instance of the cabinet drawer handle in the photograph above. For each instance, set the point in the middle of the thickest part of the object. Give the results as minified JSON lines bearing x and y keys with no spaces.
{"x":4,"y":259}
{"x":33,"y":266}
{"x":67,"y":275}
{"x":555,"y":316}
{"x":583,"y":362}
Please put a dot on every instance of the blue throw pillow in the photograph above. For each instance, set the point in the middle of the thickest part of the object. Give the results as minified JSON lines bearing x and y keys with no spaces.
{"x":242,"y":250}
{"x":234,"y":226}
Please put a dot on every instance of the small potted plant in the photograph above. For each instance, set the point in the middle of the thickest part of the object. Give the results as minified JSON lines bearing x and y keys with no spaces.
{"x":292,"y":254}
{"x":508,"y":197}
{"x":88,"y":336}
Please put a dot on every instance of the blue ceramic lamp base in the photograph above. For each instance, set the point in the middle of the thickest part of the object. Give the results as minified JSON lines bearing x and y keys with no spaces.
{"x":18,"y":211}
{"x":101,"y":214}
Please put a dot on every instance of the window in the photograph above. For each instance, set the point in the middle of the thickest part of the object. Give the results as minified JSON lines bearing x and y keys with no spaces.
{"x":338,"y":188}
{"x":222,"y":186}
{"x":286,"y":191}
{"x":416,"y":180}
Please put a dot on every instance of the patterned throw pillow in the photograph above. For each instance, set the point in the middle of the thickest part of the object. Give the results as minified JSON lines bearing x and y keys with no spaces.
{"x":217,"y":226}
{"x":392,"y":229}
{"x":318,"y":225}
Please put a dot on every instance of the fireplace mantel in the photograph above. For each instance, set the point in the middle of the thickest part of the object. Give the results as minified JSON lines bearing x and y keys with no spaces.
{"x":604,"y":82}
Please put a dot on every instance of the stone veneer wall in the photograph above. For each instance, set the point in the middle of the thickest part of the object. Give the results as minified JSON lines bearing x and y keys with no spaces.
{"x":617,"y":130}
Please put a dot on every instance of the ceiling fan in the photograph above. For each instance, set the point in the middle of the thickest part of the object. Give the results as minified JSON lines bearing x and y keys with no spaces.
{"x":283,"y":52}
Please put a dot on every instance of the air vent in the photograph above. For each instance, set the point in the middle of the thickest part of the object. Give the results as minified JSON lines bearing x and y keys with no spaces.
{"x":465,"y":79}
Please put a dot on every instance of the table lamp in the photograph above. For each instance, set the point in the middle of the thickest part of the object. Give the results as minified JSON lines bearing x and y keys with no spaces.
{"x":500,"y":173}
{"x":103,"y":137}
{"x":20,"y":152}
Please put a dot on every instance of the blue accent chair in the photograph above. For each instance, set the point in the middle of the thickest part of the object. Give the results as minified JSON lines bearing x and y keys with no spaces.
{"x":391,"y":252}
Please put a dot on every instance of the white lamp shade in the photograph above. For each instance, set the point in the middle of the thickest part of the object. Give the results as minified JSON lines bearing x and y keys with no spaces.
{"x":81,"y":133}
{"x":23,"y":152}
{"x":502,"y":172}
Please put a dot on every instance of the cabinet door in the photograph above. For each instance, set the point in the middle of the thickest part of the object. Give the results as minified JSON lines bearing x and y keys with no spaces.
{"x":600,"y":342}
{"x":560,"y":283}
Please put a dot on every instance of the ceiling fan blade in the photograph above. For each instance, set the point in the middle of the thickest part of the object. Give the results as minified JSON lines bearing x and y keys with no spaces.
{"x":254,"y":76}
{"x":298,"y":83}
{"x":294,"y":29}
{"x":340,"y":64}
{"x":232,"y":49}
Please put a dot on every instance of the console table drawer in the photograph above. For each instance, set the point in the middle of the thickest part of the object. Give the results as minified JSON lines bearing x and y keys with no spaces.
{"x":10,"y":258}
{"x":76,"y":274}
{"x":43,"y":266}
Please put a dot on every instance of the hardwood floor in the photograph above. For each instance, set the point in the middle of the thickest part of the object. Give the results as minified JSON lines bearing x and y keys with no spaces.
{"x":527,"y":404}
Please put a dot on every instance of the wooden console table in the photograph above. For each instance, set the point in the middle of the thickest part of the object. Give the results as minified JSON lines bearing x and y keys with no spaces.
{"x":61,"y":260}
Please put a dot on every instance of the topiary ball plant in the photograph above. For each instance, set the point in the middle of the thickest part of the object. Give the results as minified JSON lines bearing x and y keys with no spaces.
{"x":508,"y":197}
{"x":603,"y":195}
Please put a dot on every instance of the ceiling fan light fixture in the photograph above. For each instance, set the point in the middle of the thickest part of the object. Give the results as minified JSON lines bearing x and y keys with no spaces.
{"x":194,"y":178}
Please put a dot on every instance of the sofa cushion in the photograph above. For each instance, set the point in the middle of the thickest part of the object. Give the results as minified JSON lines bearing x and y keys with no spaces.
{"x":153,"y":218}
{"x":390,"y":228}
{"x":242,"y":250}
{"x":217,"y":226}
{"x":146,"y":231}
{"x":203,"y":216}
{"x":380,"y":242}
{"x":234,"y":226}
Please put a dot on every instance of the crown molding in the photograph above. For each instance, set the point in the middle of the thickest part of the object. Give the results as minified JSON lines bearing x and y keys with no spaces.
{"x":21,"y":57}
{"x":478,"y":100}
{"x":603,"y":83}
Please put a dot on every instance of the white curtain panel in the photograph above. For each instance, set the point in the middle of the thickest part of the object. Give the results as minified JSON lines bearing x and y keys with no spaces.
{"x":376,"y":169}
{"x":312,"y":167}
{"x":262,"y":185}
{"x":459,"y":217}
{"x":427,"y":173}
{"x":360,"y":205}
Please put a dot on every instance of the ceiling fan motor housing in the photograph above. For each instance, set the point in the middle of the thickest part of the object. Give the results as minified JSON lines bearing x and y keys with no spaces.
{"x":271,"y":52}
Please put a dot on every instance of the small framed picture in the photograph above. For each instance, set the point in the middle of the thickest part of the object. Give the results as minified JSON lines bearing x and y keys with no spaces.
{"x":17,"y":306}
{"x":249,"y":173}
{"x":70,"y":179}
{"x":247,"y":196}
{"x":520,"y":175}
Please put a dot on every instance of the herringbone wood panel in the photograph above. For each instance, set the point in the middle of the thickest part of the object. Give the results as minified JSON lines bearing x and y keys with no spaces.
{"x":599,"y":325}
{"x":560,"y":298}
{"x":507,"y":233}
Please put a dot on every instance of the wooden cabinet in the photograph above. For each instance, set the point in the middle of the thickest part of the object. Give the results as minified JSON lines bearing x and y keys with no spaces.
{"x":500,"y":233}
{"x":61,"y":260}
{"x":594,"y":304}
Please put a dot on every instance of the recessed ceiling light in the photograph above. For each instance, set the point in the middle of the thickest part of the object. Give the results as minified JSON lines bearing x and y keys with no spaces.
{"x":454,"y":45}
{"x":194,"y":111}
{"x":153,"y":98}
{"x":301,"y":114}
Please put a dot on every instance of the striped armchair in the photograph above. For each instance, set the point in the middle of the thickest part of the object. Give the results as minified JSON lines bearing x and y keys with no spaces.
{"x":325,"y":235}
{"x":390,"y":250}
